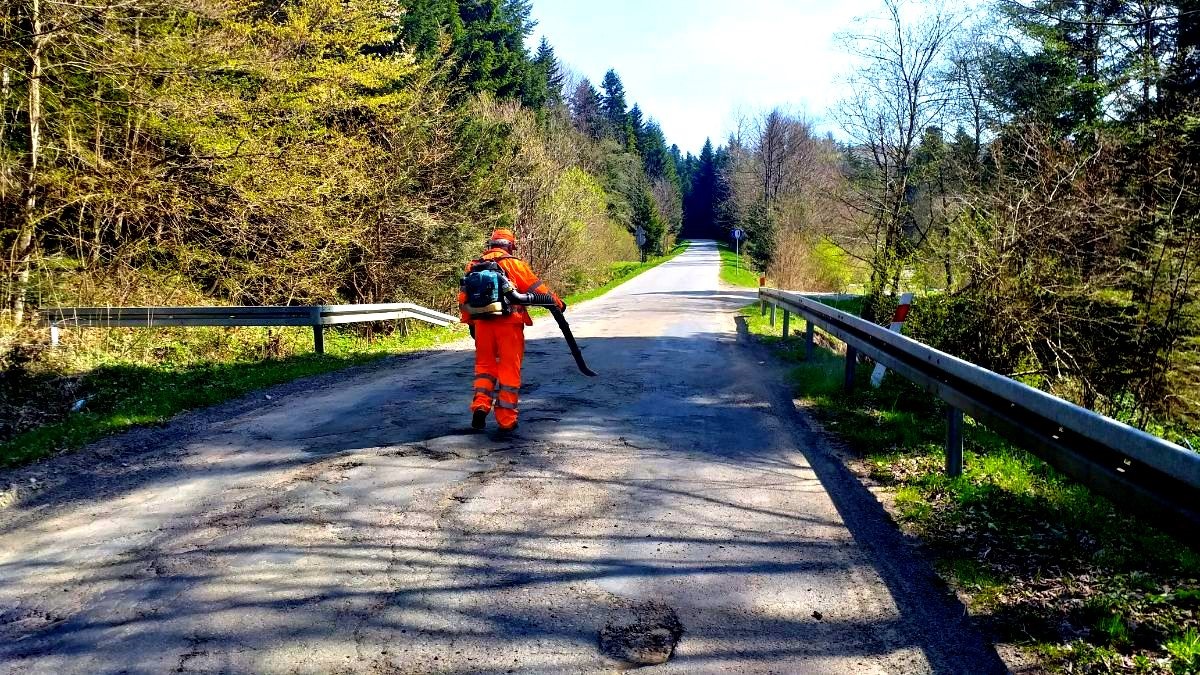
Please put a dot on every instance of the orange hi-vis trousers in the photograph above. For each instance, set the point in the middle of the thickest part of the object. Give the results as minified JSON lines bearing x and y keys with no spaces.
{"x":499,"y":350}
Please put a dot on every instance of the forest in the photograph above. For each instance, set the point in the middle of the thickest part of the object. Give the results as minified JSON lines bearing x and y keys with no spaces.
{"x":291,"y":152}
{"x":211,"y":152}
{"x":1031,"y":170}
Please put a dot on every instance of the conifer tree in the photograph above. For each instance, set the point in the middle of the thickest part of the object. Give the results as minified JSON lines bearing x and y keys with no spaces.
{"x":547,"y":66}
{"x":587,"y":110}
{"x":657,"y":158}
{"x":486,"y":41}
{"x":638,"y":122}
{"x":700,"y":206}
{"x":616,"y":110}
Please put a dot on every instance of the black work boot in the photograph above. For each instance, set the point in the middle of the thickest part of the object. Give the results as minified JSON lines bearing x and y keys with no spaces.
{"x":479,"y":420}
{"x":508,"y":431}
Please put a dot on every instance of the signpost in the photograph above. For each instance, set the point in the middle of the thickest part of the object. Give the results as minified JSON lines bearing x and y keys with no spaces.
{"x":641,"y":241}
{"x":738,"y":235}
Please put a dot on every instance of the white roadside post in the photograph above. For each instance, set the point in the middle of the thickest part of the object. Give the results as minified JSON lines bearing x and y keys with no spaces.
{"x":738,"y":235}
{"x":897,"y":324}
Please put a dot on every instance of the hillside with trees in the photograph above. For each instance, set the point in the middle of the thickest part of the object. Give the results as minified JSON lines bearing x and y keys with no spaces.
{"x":1035,"y":169}
{"x":155,"y":152}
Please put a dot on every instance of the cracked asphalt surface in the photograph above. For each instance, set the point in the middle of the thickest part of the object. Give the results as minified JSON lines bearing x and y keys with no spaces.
{"x":352,"y":523}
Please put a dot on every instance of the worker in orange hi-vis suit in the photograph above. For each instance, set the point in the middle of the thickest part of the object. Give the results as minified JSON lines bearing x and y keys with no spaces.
{"x":498,"y":327}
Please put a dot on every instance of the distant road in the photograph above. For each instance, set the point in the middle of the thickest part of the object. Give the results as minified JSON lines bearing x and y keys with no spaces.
{"x":351,"y":523}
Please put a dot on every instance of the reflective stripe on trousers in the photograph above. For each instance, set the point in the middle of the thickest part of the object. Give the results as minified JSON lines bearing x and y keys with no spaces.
{"x":499,"y":352}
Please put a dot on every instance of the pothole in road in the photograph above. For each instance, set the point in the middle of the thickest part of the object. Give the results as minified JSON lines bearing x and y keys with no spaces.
{"x":646,"y":635}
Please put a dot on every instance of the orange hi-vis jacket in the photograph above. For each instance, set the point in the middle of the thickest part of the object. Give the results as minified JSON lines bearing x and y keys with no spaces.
{"x":521,"y":276}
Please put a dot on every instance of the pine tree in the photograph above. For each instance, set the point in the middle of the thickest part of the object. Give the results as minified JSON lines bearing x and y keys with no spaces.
{"x":613,"y":103}
{"x":699,"y":219}
{"x":637,"y":121}
{"x":546,"y":64}
{"x":1067,"y":78}
{"x":486,"y":43}
{"x":646,"y":217}
{"x":657,"y":158}
{"x":629,"y":138}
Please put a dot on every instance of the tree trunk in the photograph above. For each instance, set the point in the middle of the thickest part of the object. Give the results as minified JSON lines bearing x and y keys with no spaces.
{"x":28,"y":218}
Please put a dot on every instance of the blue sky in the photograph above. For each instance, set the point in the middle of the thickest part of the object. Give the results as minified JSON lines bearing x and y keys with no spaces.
{"x":697,"y":66}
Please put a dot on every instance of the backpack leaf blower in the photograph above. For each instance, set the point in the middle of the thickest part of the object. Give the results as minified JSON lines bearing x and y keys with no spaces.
{"x":546,"y":300}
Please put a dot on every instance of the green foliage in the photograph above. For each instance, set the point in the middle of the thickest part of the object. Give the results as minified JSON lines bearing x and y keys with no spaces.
{"x":832,"y":265}
{"x":701,"y":200}
{"x":646,"y":217}
{"x":302,"y":152}
{"x":614,"y":107}
{"x":483,"y":44}
{"x":120,"y":394}
{"x":1042,"y":556}
{"x":1185,"y":651}
{"x":761,"y":232}
{"x":204,"y":367}
{"x":552,"y":77}
{"x":736,"y":272}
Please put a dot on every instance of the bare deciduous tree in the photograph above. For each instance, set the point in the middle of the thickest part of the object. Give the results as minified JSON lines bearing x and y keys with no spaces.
{"x":896,"y":96}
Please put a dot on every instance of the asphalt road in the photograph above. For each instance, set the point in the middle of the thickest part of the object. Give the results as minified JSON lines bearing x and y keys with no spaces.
{"x":677,"y":506}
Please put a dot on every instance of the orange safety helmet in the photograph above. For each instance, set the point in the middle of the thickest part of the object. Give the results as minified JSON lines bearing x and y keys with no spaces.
{"x":503,"y":238}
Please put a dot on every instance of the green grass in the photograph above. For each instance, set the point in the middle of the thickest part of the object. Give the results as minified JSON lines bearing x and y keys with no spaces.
{"x":122,"y":394}
{"x":735,"y":272}
{"x":1039,"y":554}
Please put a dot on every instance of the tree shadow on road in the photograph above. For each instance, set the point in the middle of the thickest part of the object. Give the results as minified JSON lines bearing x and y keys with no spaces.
{"x":374,"y":524}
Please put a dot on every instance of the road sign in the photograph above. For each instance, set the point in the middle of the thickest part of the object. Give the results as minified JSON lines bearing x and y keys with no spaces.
{"x":739,"y":234}
{"x":641,"y":236}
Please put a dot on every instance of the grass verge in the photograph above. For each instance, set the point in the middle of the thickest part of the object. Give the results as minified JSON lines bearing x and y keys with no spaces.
{"x":735,"y":272}
{"x":122,"y":392}
{"x":1047,"y":564}
{"x":120,"y":395}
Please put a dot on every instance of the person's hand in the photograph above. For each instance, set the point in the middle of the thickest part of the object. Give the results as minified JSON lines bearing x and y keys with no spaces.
{"x":562,"y":306}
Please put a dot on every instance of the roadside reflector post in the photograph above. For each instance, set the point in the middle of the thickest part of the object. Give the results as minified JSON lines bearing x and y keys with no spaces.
{"x":808,"y":340}
{"x":851,"y":367}
{"x":54,"y":335}
{"x":772,"y":316}
{"x":897,"y":325}
{"x":954,"y":442}
{"x":787,"y":321}
{"x":762,"y":303}
{"x":318,"y":331}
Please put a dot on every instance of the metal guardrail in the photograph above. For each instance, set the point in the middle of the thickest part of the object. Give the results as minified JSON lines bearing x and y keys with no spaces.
{"x":316,"y":316}
{"x":1136,"y":470}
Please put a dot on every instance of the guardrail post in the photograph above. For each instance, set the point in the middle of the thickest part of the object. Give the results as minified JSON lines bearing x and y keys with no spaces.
{"x":762,"y":307}
{"x":851,"y":367}
{"x":787,"y":321}
{"x":773,"y":315}
{"x":808,"y":340}
{"x":318,"y":331}
{"x":954,"y":442}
